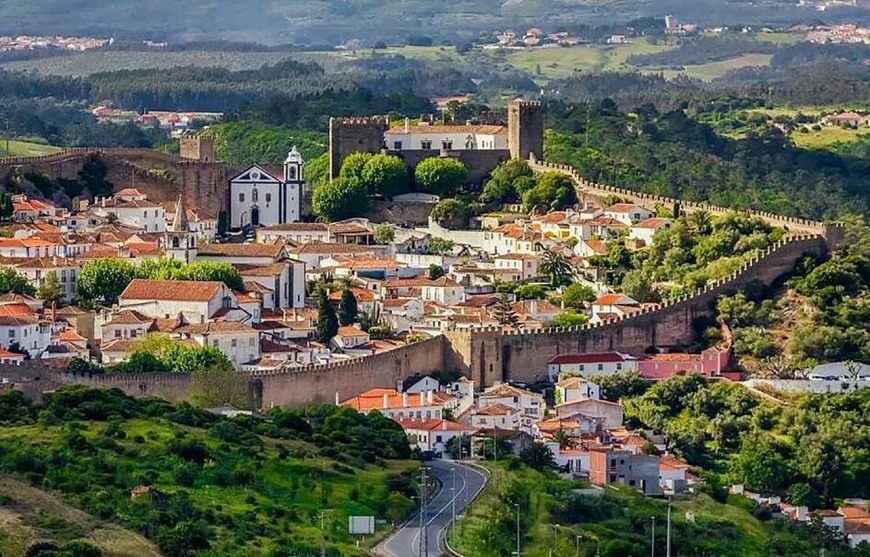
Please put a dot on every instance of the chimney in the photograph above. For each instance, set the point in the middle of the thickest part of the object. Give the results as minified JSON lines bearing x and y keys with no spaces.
{"x":54,"y":259}
{"x":407,"y":125}
{"x":53,"y":311}
{"x":404,"y":400}
{"x":533,"y":306}
{"x":422,"y":398}
{"x":430,"y":397}
{"x":443,"y":425}
{"x":336,"y":398}
{"x":386,"y":401}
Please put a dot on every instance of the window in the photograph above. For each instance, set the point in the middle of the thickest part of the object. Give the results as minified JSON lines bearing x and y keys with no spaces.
{"x":581,"y":367}
{"x":618,"y":367}
{"x":233,"y":343}
{"x":251,"y":341}
{"x":241,"y":197}
{"x":397,"y":145}
{"x":447,"y":144}
{"x":268,"y":198}
{"x":255,"y":195}
{"x":600,"y":367}
{"x":63,"y":275}
{"x":117,"y":333}
{"x":134,"y":333}
{"x":291,"y":172}
{"x":426,"y":144}
{"x":144,"y":214}
{"x":11,"y":333}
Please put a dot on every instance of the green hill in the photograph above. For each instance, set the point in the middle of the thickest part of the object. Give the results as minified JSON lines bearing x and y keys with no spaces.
{"x":247,"y":486}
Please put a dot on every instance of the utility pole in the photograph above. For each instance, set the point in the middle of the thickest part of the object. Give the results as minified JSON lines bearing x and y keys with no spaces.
{"x":322,"y":536}
{"x":577,"y":542}
{"x":668,"y":543}
{"x":517,"y":506}
{"x":495,"y":444}
{"x":453,"y":501}
{"x":653,"y":536}
{"x":424,"y":545}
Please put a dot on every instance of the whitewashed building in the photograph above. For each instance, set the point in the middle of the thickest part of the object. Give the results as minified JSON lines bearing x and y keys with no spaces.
{"x":259,"y":198}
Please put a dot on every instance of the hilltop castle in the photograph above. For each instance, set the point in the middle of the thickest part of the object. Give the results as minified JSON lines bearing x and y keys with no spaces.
{"x":480,"y":147}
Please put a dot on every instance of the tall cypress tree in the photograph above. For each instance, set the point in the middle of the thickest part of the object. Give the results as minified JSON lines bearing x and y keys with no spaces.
{"x":327,"y":322}
{"x":347,"y":307}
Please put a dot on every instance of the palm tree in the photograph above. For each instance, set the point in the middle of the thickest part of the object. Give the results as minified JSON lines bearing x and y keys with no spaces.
{"x":700,"y":222}
{"x":556,"y":267}
{"x":565,"y":439}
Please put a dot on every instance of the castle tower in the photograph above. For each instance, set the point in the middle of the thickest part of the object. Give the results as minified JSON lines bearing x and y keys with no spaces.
{"x":180,"y":241}
{"x":526,"y":129}
{"x":291,"y":190}
{"x":353,"y":135}
{"x":197,"y":147}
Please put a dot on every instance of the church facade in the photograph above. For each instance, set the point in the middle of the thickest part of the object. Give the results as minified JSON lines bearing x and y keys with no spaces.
{"x":259,"y":198}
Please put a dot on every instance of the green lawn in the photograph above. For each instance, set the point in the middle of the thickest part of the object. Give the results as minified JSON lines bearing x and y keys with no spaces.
{"x":25,"y":149}
{"x":826,"y":137}
{"x":713,"y":70}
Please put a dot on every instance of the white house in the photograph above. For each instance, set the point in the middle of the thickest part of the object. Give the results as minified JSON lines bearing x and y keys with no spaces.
{"x":442,"y":290}
{"x":497,"y":416}
{"x":144,"y":214}
{"x":297,"y":232}
{"x":526,"y":263}
{"x":576,"y":388}
{"x":350,"y":337}
{"x":259,"y":198}
{"x":646,"y":229}
{"x":531,"y":404}
{"x":603,"y":363}
{"x":24,"y":329}
{"x":393,"y":404}
{"x":238,"y":341}
{"x":608,"y":305}
{"x":26,"y":248}
{"x":198,"y":301}
{"x":627,"y":213}
{"x":37,"y":269}
{"x":433,"y":435}
{"x":428,"y":137}
{"x":202,"y":223}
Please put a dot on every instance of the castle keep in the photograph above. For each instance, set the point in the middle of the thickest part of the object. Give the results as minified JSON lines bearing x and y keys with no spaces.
{"x":480,"y":147}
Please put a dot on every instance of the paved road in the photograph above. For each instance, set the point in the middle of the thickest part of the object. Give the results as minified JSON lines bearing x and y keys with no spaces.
{"x":470,"y":481}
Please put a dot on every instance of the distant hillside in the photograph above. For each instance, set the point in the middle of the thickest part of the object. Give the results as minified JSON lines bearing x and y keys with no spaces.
{"x":333,"y":21}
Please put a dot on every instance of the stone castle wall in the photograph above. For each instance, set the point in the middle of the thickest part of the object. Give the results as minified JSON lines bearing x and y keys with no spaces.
{"x":160,"y":176}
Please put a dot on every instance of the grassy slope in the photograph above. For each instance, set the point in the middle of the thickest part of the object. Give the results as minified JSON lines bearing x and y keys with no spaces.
{"x":472,"y":532}
{"x":292,"y":483}
{"x":26,"y":148}
{"x":28,"y":515}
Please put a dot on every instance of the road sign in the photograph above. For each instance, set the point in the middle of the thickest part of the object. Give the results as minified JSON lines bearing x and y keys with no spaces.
{"x":361,"y":525}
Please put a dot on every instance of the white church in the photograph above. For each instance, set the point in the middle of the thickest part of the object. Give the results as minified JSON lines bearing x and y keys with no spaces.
{"x":258,"y":198}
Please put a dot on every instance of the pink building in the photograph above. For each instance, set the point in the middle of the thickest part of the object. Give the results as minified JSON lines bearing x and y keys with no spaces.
{"x":709,"y":363}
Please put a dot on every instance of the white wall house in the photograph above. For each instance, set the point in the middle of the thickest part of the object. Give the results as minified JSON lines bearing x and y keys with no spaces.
{"x":198,"y":301}
{"x":298,"y":232}
{"x":424,"y":136}
{"x":393,"y":404}
{"x":627,"y":213}
{"x":259,"y":198}
{"x":238,"y":341}
{"x":602,"y":363}
{"x":646,"y":229}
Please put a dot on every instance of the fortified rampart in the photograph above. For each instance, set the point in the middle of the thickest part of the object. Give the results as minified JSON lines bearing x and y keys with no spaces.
{"x":161,"y":176}
{"x":833,"y":233}
{"x":486,"y":356}
{"x":492,"y":355}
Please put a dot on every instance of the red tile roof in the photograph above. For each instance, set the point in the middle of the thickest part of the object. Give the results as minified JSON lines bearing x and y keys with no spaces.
{"x":438,"y":129}
{"x":175,"y":290}
{"x":373,"y":399}
{"x":592,"y":358}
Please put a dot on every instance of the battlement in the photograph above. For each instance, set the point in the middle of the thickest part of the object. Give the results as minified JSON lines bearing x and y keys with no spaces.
{"x":360,"y":121}
{"x":527,"y":103}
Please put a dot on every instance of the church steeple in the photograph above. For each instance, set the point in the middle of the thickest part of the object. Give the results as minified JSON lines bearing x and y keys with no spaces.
{"x":293,"y":166}
{"x":180,"y":242}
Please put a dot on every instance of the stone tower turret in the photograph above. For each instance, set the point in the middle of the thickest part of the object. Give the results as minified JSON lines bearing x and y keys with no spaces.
{"x":197,"y":147}
{"x":353,"y":135}
{"x":526,"y":129}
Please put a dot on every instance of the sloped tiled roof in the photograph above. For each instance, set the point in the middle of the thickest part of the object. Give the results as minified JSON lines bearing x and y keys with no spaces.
{"x":174,"y":290}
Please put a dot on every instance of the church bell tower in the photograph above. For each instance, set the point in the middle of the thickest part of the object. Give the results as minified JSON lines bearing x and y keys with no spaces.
{"x":291,"y":189}
{"x":180,"y":241}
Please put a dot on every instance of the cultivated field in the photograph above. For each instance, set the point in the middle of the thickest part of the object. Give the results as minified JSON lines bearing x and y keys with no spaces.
{"x":25,"y":149}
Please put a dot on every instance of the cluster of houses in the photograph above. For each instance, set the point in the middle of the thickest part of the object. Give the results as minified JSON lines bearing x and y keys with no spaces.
{"x":533,"y":37}
{"x":31,"y":42}
{"x":584,"y":432}
{"x":851,"y":519}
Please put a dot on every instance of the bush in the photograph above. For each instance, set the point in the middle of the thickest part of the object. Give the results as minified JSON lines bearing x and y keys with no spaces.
{"x":340,"y":199}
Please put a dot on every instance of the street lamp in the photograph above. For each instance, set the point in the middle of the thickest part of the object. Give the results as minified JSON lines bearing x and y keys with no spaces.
{"x":453,"y":499}
{"x":577,"y":542}
{"x":653,"y":536}
{"x":555,"y":536}
{"x":517,"y":507}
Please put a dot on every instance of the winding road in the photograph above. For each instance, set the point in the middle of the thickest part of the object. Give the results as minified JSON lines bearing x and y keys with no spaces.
{"x":469,"y":482}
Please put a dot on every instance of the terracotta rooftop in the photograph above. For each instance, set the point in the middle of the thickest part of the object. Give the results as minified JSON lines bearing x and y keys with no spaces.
{"x":351,"y":332}
{"x":331,"y":248}
{"x":496,"y":410}
{"x":216,"y":327}
{"x":437,"y":129}
{"x":242,"y":250}
{"x":174,"y":290}
{"x":622,"y":208}
{"x":373,"y":399}
{"x":614,"y":300}
{"x":269,"y":270}
{"x":593,"y":358}
{"x":434,"y":425}
{"x":652,"y":223}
